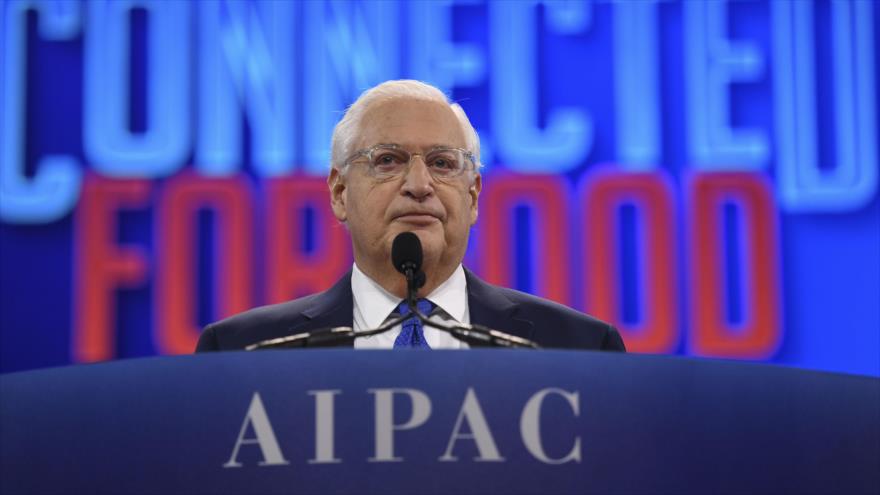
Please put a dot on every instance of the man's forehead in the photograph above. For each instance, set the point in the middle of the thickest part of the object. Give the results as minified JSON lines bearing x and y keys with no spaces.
{"x":412,"y":123}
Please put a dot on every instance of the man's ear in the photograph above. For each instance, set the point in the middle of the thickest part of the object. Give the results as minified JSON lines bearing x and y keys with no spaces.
{"x":474,"y":193}
{"x":336,"y":183}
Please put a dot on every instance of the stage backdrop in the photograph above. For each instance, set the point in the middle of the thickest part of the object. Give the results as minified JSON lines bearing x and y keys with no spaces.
{"x":702,"y":174}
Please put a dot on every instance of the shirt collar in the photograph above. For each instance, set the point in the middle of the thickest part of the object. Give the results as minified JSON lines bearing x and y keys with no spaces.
{"x":374,"y":303}
{"x":451,"y":295}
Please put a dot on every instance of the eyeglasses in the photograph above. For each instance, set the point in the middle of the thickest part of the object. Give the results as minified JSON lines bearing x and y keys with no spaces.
{"x":390,"y":160}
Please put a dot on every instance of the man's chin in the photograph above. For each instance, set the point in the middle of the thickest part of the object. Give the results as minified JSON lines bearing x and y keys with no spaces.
{"x":430,"y":237}
{"x":426,"y":230}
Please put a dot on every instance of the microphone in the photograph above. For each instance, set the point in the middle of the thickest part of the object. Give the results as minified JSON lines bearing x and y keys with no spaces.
{"x":406,"y":252}
{"x":406,"y":256}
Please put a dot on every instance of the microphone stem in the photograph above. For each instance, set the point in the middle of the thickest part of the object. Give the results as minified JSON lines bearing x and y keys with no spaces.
{"x":411,"y":290}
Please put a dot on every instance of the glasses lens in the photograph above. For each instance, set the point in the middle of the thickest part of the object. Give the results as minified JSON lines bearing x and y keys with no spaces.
{"x":445,"y":162}
{"x":389,"y":161}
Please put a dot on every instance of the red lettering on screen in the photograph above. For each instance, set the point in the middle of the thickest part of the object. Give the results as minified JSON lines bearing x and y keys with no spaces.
{"x":292,"y":271}
{"x":760,"y":333}
{"x":183,"y":197}
{"x":547,"y":196}
{"x":101,"y":266}
{"x":602,"y":194}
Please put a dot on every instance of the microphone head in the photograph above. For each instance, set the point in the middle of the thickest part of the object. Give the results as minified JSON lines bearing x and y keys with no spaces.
{"x":406,"y":252}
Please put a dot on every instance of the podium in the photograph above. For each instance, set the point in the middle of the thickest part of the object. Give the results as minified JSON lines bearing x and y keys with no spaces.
{"x":437,"y":422}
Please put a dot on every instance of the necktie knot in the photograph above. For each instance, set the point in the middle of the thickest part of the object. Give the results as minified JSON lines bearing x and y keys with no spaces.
{"x":424,"y":306}
{"x":412,"y":334}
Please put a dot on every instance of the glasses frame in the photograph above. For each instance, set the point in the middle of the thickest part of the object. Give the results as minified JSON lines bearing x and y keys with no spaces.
{"x":368,"y":153}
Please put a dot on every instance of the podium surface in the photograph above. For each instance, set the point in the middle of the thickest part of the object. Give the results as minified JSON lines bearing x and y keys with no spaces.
{"x":479,"y":421}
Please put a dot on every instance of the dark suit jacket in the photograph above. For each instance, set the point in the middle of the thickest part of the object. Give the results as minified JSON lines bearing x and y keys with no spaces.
{"x":547,"y":323}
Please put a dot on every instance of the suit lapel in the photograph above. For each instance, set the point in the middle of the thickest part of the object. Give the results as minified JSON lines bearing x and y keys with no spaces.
{"x":489,"y":307}
{"x":331,"y":308}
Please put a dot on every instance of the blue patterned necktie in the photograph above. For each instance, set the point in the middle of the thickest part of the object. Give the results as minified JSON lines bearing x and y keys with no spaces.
{"x":412,"y":334}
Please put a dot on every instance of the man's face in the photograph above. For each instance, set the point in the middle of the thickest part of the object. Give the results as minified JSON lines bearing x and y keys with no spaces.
{"x":376,"y":210}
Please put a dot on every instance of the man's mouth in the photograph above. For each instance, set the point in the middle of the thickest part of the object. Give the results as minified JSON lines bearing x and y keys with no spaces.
{"x":417,"y":218}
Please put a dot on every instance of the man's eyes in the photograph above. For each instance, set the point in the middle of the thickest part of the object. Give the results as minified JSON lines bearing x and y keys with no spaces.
{"x":390,"y":160}
{"x":387,"y":159}
{"x":443,"y":162}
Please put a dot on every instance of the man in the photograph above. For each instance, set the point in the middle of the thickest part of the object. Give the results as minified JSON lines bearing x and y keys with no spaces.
{"x":406,"y":160}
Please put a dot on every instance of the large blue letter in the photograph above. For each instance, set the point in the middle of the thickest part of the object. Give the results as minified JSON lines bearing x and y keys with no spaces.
{"x":567,"y":140}
{"x":111,"y":146}
{"x":636,"y":84}
{"x":346,"y":52}
{"x":712,"y":64}
{"x":852,"y":183}
{"x":434,"y":57}
{"x":246,"y":61}
{"x":55,"y":187}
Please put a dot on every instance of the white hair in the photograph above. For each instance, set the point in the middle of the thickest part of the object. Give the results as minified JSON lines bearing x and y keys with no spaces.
{"x":345,"y":132}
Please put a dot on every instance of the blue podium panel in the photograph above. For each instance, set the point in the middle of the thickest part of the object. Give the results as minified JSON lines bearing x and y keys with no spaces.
{"x":344,"y":421}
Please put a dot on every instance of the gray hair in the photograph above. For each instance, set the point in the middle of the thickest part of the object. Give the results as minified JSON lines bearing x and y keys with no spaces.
{"x":345,"y":132}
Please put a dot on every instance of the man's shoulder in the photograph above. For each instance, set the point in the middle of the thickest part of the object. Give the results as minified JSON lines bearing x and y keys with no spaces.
{"x":556,"y":325}
{"x":281,"y":313}
{"x":544,"y":309}
{"x":254,"y":325}
{"x":327,"y":308}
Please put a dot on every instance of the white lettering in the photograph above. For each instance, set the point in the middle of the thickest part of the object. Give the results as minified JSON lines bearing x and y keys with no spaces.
{"x":530,"y":421}
{"x":324,"y":427}
{"x":265,"y":436}
{"x":385,"y":426}
{"x":480,"y":433}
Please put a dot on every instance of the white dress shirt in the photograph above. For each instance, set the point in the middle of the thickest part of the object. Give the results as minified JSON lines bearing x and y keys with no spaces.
{"x":373,"y":305}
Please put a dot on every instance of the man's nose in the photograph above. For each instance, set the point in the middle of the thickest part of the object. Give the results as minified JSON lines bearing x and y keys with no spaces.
{"x":418,"y":181}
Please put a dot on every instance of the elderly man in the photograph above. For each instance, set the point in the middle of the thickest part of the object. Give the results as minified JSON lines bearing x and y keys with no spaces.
{"x":406,"y":160}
